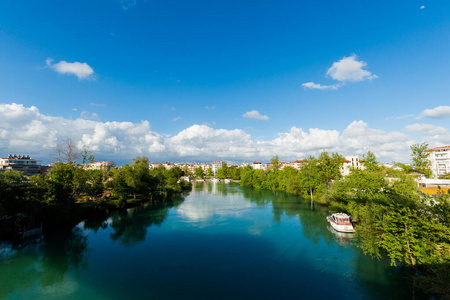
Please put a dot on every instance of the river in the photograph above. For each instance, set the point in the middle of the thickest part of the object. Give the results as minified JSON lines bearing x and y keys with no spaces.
{"x":221,"y":241}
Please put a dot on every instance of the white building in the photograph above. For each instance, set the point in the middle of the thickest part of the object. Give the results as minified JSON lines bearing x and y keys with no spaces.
{"x":216,"y":165}
{"x":99,"y":165}
{"x":351,"y":162}
{"x":21,"y":163}
{"x":440,"y":160}
{"x":257,"y":165}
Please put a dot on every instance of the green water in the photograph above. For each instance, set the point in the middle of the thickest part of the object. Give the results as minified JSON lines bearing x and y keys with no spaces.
{"x":220,"y":242}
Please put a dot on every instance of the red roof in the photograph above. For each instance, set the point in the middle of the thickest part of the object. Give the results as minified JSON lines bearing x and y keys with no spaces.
{"x":438,"y":148}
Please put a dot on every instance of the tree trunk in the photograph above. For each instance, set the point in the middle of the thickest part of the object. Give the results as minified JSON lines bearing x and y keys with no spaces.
{"x":312,"y":201}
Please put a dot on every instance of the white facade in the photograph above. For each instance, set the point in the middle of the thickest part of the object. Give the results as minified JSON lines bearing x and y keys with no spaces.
{"x":98,"y":165}
{"x":440,"y":160}
{"x":216,"y":165}
{"x":351,"y":162}
{"x":257,"y":165}
{"x":22,"y":163}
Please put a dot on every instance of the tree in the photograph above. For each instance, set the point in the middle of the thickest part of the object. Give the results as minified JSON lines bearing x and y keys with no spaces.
{"x":420,"y":158}
{"x":329,"y":166}
{"x":275,"y":163}
{"x":67,"y":152}
{"x":222,"y":172}
{"x":310,"y":176}
{"x":209,"y":173}
{"x":199,"y":173}
{"x":369,"y":160}
{"x":61,"y":184}
{"x":87,"y":156}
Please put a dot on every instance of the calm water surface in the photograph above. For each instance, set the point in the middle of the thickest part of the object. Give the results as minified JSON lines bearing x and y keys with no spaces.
{"x":220,"y":242}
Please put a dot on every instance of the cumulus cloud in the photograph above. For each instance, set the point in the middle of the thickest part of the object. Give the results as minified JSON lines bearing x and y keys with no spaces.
{"x":348,"y":69}
{"x":26,"y":130}
{"x":422,"y":7}
{"x":317,"y":86}
{"x":431,"y":134}
{"x":428,"y":128}
{"x":81,"y":70}
{"x":254,"y":114}
{"x":437,"y":112}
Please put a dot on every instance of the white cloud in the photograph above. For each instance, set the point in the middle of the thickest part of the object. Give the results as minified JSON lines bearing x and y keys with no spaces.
{"x":88,"y":116}
{"x":210,"y":107}
{"x":254,"y":114}
{"x":437,"y":112}
{"x":81,"y":70}
{"x":348,"y":69}
{"x":26,"y":130}
{"x":422,"y":7}
{"x":176,"y":119}
{"x":318,"y":86}
{"x":431,"y":134}
{"x":428,"y":128}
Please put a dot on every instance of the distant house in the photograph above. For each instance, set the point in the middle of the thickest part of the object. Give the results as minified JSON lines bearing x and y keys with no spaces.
{"x":99,"y":165}
{"x":154,"y":165}
{"x":351,"y":162}
{"x":257,"y":165}
{"x":297,"y":164}
{"x":440,"y":160}
{"x":216,"y":165}
{"x":22,"y":163}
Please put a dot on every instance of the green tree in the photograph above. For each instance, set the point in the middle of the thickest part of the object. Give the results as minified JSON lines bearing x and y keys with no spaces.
{"x":199,"y":173}
{"x":209,"y":173}
{"x":222,"y":172}
{"x":311,"y":177}
{"x":369,"y":160}
{"x":61,"y":184}
{"x":275,"y":163}
{"x":329,"y":166}
{"x":420,"y":157}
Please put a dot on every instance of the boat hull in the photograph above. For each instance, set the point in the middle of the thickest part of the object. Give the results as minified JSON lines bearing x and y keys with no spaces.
{"x":342,"y":228}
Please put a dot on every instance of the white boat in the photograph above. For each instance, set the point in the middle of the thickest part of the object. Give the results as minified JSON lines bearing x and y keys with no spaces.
{"x":215,"y":180}
{"x":341,"y":222}
{"x":227,"y":180}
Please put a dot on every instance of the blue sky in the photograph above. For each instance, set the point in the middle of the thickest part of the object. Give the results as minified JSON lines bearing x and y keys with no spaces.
{"x":174,"y":79}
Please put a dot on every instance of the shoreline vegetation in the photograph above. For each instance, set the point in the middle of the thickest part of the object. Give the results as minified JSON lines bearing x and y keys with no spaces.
{"x":71,"y":193}
{"x":392,"y":217}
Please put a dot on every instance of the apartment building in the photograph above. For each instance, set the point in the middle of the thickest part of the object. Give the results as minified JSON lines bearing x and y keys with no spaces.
{"x":21,"y":163}
{"x":440,"y":160}
{"x":351,"y":162}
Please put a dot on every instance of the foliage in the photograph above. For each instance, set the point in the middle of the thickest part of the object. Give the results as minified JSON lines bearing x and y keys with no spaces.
{"x":369,"y":160}
{"x":199,"y":173}
{"x":420,"y":158}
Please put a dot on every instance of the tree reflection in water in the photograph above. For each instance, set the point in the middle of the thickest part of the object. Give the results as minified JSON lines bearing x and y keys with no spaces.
{"x":130,"y":226}
{"x":46,"y":263}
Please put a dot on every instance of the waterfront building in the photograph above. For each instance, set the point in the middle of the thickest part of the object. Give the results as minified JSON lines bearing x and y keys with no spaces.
{"x":257,"y":165}
{"x":22,"y":163}
{"x":216,"y":165}
{"x":440,"y":160}
{"x":351,"y":162}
